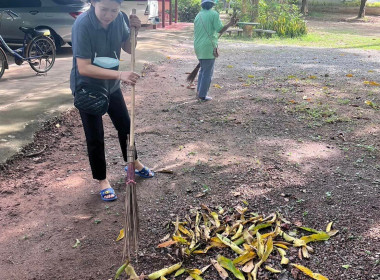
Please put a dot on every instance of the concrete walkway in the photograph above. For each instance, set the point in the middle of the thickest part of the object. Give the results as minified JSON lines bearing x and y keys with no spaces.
{"x":27,"y":100}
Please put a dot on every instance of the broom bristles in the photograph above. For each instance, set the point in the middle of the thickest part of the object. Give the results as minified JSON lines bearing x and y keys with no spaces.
{"x":131,"y":227}
{"x":193,"y":74}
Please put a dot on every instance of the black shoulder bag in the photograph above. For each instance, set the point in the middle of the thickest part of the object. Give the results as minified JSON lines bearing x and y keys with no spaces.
{"x":92,"y":99}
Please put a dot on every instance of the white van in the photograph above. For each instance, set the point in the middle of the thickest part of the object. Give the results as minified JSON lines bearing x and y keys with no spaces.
{"x":146,"y":10}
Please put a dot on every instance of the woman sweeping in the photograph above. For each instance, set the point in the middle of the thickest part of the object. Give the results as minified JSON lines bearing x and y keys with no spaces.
{"x":98,"y":36}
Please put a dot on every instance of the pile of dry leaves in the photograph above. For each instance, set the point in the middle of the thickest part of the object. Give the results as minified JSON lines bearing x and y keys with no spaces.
{"x":247,"y":238}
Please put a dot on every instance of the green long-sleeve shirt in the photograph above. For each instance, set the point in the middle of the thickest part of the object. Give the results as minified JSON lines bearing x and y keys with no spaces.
{"x":207,"y":24}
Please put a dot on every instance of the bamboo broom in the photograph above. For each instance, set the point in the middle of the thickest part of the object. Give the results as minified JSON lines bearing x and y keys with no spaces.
{"x":131,"y":226}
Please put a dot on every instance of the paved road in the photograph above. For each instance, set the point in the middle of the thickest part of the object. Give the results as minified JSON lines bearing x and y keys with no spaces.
{"x":27,"y":99}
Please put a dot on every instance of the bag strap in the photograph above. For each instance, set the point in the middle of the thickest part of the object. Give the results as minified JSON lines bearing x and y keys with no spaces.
{"x":207,"y":32}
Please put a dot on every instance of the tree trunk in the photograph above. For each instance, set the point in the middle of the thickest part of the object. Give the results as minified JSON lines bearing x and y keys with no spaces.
{"x":304,"y":9}
{"x":362,"y":9}
{"x":255,"y":11}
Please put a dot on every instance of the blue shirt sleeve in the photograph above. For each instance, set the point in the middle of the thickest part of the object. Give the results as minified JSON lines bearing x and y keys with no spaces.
{"x":126,"y":30}
{"x":81,"y":41}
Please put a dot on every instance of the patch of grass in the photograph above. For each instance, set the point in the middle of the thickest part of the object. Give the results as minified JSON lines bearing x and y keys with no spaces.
{"x":344,"y":101}
{"x":324,"y":39}
{"x":377,"y":4}
{"x":331,"y":39}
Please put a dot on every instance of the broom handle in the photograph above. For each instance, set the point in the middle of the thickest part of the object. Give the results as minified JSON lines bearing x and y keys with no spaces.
{"x":133,"y":58}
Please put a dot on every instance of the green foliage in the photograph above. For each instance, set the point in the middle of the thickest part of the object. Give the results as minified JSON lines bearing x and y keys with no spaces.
{"x":284,"y":18}
{"x":188,"y":9}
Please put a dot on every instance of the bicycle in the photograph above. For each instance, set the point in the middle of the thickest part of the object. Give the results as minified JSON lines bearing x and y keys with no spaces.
{"x":38,"y":49}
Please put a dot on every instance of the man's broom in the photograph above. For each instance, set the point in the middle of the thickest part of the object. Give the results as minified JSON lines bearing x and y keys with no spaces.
{"x":131,"y":226}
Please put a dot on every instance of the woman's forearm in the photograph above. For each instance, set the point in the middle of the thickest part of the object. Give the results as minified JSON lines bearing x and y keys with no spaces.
{"x":96,"y":72}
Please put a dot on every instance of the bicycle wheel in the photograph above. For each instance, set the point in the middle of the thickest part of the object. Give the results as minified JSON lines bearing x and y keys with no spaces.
{"x":3,"y":61}
{"x":41,"y":54}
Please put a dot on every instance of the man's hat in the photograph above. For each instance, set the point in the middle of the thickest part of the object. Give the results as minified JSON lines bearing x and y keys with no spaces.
{"x":210,"y":1}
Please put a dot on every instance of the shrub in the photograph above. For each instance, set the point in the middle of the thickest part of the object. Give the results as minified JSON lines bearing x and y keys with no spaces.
{"x":284,"y":18}
{"x":188,"y":9}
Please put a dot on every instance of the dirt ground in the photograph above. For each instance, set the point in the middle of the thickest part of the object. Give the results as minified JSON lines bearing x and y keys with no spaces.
{"x":292,"y":130}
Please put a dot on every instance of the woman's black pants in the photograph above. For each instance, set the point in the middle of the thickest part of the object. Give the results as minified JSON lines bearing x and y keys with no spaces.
{"x":93,"y":129}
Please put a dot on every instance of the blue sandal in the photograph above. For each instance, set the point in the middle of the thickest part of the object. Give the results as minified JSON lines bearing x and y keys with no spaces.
{"x":144,"y":173}
{"x":108,"y":191}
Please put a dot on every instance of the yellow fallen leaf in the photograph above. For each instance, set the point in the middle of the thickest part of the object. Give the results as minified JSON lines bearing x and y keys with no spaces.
{"x":168,"y":57}
{"x":284,"y":260}
{"x":121,"y":235}
{"x":238,"y":233}
{"x":268,"y":251}
{"x":271,"y":269}
{"x":370,"y":103}
{"x":251,"y":76}
{"x":130,"y":271}
{"x":244,"y":258}
{"x":372,"y":83}
{"x":216,"y":219}
{"x":180,"y":239}
{"x":310,"y":273}
{"x":321,"y":236}
{"x":217,"y":86}
{"x":283,"y":246}
{"x":230,"y":244}
{"x":227,"y":264}
{"x":328,"y":228}
{"x":184,"y":230}
{"x":349,"y":75}
{"x":165,"y":271}
{"x":312,"y":77}
{"x":230,"y":66}
{"x":179,"y":272}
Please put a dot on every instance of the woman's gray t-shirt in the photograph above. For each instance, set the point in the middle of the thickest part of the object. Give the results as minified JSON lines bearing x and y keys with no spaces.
{"x":89,"y":37}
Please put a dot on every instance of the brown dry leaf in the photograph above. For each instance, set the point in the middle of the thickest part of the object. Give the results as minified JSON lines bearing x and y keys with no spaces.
{"x":222,"y":272}
{"x":166,"y":237}
{"x":305,"y":252}
{"x":236,"y":193}
{"x":248,"y":267}
{"x":167,"y":244}
{"x":333,"y":232}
